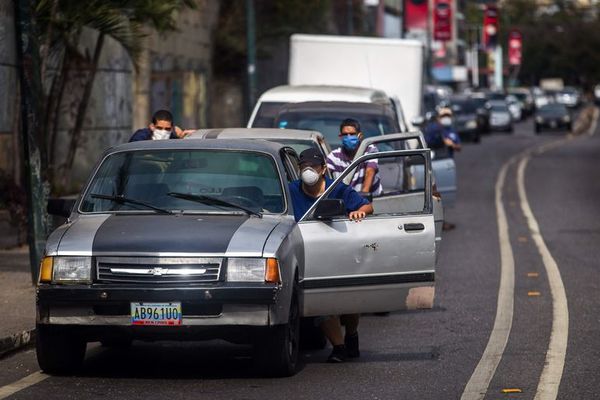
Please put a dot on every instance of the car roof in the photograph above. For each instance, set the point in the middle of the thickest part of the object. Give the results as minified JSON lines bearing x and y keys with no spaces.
{"x":302,"y":93}
{"x":255,"y":133}
{"x":338,"y":106}
{"x":265,"y":146}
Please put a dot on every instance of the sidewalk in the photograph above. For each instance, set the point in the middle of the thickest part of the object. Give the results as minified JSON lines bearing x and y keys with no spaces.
{"x":17,"y":300}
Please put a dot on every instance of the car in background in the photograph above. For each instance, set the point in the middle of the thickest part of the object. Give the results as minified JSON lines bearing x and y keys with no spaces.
{"x":270,"y":102}
{"x":326,"y":117}
{"x":515,"y":108}
{"x":552,"y":116}
{"x":466,"y":121}
{"x":500,"y":116}
{"x":525,"y":97}
{"x":569,"y":96}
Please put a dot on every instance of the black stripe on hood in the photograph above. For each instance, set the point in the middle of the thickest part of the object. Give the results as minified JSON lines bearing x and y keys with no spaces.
{"x":178,"y":233}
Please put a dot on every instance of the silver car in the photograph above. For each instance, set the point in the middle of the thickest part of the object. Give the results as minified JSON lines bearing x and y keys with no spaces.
{"x":500,"y":116}
{"x":196,"y":239}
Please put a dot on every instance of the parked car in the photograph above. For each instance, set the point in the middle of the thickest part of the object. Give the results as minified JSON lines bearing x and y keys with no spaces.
{"x":552,"y":116}
{"x":500,"y":117}
{"x":196,"y":239}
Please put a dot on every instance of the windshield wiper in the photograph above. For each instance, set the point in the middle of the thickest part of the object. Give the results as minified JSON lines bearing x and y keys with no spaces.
{"x":200,"y":198}
{"x":122,"y":200}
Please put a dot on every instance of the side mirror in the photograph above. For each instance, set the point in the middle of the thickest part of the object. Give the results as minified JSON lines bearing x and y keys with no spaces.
{"x":329,"y":208}
{"x":418,"y":121}
{"x":60,"y":207}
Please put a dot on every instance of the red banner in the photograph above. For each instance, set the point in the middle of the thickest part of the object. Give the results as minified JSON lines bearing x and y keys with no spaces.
{"x":490,"y":26}
{"x":442,"y":20}
{"x":515,"y":44}
{"x":415,"y":15}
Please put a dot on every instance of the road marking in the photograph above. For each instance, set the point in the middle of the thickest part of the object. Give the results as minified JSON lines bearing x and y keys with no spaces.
{"x":21,"y":384}
{"x":557,"y":348}
{"x":480,"y":380}
{"x":512,"y":390}
{"x":534,"y":294}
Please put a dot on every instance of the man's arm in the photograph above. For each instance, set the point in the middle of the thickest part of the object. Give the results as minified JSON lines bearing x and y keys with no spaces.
{"x":362,"y":212}
{"x":369,"y":177}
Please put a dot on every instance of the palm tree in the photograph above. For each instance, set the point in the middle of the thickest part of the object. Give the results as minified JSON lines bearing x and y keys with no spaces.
{"x":62,"y":23}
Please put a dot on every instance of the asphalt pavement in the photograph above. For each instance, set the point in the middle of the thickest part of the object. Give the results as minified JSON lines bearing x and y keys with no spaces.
{"x":426,"y":354}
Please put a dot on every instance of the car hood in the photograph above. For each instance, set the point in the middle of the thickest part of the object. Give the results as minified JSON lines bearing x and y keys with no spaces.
{"x":144,"y":234}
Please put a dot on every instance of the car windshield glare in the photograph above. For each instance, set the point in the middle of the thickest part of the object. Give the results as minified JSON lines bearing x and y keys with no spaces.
{"x":328,"y":123}
{"x":243,"y":178}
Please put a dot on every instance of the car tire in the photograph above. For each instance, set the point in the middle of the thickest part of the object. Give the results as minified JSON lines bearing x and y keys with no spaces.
{"x":59,"y":352}
{"x":276,"y":352}
{"x":311,"y":336}
{"x":538,"y":129}
{"x":511,"y":129}
{"x":569,"y":127}
{"x":476,"y":137}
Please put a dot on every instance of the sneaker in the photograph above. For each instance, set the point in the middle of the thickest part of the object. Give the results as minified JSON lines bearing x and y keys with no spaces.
{"x":338,"y":354}
{"x":351,"y":342}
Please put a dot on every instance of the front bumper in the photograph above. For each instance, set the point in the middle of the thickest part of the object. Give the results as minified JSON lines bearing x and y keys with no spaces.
{"x":202,"y":306}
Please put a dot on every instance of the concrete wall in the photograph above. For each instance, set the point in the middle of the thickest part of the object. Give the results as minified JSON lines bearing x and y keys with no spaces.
{"x":175,"y":72}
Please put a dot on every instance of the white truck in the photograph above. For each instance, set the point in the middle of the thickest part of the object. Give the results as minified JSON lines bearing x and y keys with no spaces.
{"x":392,"y":65}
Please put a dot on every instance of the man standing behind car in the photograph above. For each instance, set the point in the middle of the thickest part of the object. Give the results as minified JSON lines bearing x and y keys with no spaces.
{"x":441,"y":136}
{"x":161,"y":128}
{"x":304,"y":193}
{"x":365,"y":179}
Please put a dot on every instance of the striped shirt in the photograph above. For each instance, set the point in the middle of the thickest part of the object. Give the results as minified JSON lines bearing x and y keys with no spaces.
{"x":338,"y":161}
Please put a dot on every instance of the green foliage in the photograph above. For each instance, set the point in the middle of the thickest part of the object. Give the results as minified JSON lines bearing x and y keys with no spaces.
{"x":560,"y":40}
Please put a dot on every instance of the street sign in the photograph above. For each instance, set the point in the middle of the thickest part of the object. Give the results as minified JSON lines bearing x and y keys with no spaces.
{"x":490,"y":26}
{"x":515,"y":44}
{"x":442,"y":20}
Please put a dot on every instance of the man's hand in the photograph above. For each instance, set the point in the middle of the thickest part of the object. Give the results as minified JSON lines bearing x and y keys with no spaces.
{"x":357,"y":216}
{"x":182,"y":133}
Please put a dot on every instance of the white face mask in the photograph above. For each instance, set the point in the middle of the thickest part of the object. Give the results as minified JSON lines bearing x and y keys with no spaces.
{"x":160,"y":134}
{"x":309,"y":176}
{"x":446,"y":121}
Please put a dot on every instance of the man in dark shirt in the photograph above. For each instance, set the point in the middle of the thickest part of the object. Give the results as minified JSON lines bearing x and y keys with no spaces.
{"x":161,"y":128}
{"x":304,"y":193}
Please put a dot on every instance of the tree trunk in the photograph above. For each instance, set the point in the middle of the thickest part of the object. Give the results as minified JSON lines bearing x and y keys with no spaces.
{"x":53,"y":112}
{"x":81,"y":111}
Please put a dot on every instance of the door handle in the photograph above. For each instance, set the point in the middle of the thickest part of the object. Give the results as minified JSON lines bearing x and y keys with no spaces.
{"x":413,"y":227}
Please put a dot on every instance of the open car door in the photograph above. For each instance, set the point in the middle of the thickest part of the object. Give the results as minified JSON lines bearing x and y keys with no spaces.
{"x":414,"y":140}
{"x":386,"y":262}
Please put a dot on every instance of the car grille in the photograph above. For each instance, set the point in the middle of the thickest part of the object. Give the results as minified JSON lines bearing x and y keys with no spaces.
{"x":158,"y":270}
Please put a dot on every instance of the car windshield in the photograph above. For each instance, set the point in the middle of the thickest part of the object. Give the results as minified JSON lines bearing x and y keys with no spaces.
{"x":243,"y":178}
{"x":553,"y":109}
{"x":328,"y":123}
{"x":499,"y":107}
{"x":464,"y":107}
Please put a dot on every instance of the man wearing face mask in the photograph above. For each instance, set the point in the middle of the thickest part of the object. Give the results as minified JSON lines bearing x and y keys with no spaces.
{"x":366,"y":178}
{"x":161,"y":128}
{"x":304,"y":193}
{"x":441,"y":136}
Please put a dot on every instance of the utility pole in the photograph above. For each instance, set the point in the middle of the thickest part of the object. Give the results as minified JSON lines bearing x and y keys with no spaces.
{"x":350,"y":16}
{"x":251,"y":53}
{"x":33,"y":143}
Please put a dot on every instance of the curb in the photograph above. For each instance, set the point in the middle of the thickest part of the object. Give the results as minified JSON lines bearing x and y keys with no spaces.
{"x":16,"y":341}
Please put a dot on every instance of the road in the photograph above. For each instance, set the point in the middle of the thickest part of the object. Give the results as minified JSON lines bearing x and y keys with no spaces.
{"x":429,"y":354}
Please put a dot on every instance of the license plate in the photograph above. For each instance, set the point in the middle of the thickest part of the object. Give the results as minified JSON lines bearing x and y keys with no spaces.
{"x":156,"y":314}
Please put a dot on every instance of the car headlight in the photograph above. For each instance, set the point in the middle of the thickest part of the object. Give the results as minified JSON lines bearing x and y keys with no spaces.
{"x":539,"y":120}
{"x":566,"y":118}
{"x":471,"y":124}
{"x":66,"y":270}
{"x":253,"y":270}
